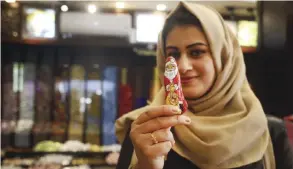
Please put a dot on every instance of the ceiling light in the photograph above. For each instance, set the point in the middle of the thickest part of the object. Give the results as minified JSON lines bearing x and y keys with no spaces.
{"x":120,"y":5}
{"x":64,"y":8}
{"x":92,"y":8}
{"x":10,"y":1}
{"x":161,"y":7}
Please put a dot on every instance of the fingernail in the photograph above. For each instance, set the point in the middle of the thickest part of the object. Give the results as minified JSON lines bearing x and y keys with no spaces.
{"x":184,"y":119}
{"x":176,"y":110}
{"x":173,"y":143}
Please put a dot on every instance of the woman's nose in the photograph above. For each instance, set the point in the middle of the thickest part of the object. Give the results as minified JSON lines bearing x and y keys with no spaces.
{"x":184,"y":64}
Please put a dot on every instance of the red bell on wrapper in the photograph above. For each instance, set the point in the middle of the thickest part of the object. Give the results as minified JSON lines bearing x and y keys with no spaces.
{"x":172,"y":83}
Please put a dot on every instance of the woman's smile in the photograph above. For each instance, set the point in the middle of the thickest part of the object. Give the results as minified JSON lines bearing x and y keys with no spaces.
{"x":185,"y":80}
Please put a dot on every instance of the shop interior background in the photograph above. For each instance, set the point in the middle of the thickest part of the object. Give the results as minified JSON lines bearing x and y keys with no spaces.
{"x":69,"y":69}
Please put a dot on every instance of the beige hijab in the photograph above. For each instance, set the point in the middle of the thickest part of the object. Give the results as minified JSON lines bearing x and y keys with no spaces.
{"x":229,"y":128}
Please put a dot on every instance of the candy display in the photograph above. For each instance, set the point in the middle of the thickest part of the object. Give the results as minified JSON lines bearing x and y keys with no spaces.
{"x":95,"y":148}
{"x":24,"y":126}
{"x":93,"y":103}
{"x":57,"y":99}
{"x":60,"y":161}
{"x":111,"y":148}
{"x":18,"y":161}
{"x":57,"y":102}
{"x":48,"y":146}
{"x":27,"y":88}
{"x":125,"y":94}
{"x":109,"y":106}
{"x":10,"y":167}
{"x":44,"y":93}
{"x":173,"y":88}
{"x":9,"y":102}
{"x":74,"y":145}
{"x":78,"y":167}
{"x":46,"y":166}
{"x":9,"y":90}
{"x":77,"y":102}
{"x":27,"y":76}
{"x":7,"y":126}
{"x":61,"y":85}
{"x":43,"y":96}
{"x":41,"y":131}
{"x":112,"y":158}
{"x":84,"y":161}
{"x":55,"y":159}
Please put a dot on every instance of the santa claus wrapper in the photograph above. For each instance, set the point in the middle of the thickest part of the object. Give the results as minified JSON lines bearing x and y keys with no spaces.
{"x":172,"y":83}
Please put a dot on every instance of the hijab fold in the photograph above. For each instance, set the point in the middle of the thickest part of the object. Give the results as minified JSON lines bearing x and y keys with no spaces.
{"x":228,"y":125}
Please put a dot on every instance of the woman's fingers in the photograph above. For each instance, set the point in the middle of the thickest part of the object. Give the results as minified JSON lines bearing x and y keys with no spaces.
{"x":159,"y":136}
{"x":162,"y":123}
{"x":163,"y":135}
{"x":157,"y":111}
{"x":158,"y":150}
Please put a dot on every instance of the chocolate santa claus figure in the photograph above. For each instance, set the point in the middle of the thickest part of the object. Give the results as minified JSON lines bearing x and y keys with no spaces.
{"x":172,"y":82}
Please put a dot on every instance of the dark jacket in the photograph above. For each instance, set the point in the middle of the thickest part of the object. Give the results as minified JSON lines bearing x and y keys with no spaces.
{"x":282,"y":150}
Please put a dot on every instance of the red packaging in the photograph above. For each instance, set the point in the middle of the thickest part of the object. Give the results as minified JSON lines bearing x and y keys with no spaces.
{"x":172,"y":83}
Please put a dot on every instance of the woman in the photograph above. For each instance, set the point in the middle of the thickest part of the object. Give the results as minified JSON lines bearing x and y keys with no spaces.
{"x":225,"y":126}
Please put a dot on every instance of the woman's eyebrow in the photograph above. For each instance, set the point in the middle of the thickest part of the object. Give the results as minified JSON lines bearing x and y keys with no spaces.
{"x":196,"y":44}
{"x":188,"y":46}
{"x":171,"y":47}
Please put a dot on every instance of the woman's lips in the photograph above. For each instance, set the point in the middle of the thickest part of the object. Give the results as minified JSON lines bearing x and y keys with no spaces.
{"x":187,"y":80}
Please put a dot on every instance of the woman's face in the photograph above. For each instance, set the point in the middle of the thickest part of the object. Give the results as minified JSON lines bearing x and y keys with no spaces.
{"x":189,"y":46}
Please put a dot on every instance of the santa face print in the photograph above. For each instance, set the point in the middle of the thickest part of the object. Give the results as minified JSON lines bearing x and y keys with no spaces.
{"x":171,"y":69}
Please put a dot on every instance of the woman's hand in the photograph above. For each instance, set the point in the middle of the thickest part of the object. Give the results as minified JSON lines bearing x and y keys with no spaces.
{"x":151,"y":135}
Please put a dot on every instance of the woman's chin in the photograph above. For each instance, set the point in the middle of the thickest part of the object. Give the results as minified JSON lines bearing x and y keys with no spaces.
{"x":192,"y":92}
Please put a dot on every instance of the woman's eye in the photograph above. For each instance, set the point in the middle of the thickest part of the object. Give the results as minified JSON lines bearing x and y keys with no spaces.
{"x":176,"y":55}
{"x":196,"y":53}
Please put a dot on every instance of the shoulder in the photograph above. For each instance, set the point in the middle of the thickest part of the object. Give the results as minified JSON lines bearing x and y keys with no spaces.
{"x":274,"y":121}
{"x":276,"y":126}
{"x":282,"y":148}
